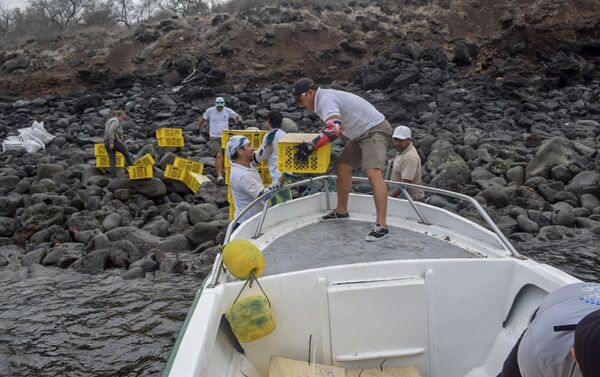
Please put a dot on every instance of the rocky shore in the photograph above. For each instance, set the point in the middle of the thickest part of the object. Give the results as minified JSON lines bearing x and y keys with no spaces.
{"x":524,"y":146}
{"x":520,"y":133}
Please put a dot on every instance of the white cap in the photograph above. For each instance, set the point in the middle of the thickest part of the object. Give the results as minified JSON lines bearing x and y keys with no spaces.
{"x":402,"y":132}
{"x":219,"y":101}
{"x":235,"y":143}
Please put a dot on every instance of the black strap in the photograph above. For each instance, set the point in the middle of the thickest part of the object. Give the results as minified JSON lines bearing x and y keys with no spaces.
{"x":564,"y":328}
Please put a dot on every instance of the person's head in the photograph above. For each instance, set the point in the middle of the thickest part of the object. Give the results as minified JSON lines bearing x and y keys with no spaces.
{"x":239,"y":149}
{"x":586,"y":347}
{"x":305,"y":91}
{"x":119,"y":114}
{"x":219,"y":103}
{"x":274,"y":119}
{"x":402,"y":138}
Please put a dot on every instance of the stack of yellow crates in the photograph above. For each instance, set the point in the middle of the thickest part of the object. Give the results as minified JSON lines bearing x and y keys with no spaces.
{"x":186,"y":171}
{"x":169,"y":137}
{"x":102,"y":160}
{"x":143,"y":168}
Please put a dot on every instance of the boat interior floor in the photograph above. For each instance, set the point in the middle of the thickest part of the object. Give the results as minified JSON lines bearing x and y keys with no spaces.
{"x":331,"y":243}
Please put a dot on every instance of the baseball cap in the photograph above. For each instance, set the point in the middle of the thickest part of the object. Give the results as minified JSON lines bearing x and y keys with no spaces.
{"x":302,"y":86}
{"x":587,"y":344}
{"x":235,"y":143}
{"x":402,"y":132}
{"x":220,"y":101}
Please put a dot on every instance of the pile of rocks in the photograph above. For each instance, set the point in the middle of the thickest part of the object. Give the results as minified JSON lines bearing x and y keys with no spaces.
{"x":523,"y":141}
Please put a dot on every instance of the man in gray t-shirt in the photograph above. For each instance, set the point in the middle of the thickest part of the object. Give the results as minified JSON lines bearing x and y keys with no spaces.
{"x":563,"y":338}
{"x":370,"y":136}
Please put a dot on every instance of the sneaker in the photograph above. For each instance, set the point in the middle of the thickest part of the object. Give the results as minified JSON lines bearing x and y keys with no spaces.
{"x":220,"y":180}
{"x":378,"y":233}
{"x":335,"y":216}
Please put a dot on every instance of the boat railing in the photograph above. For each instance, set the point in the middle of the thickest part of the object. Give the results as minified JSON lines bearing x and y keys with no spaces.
{"x":403,"y":186}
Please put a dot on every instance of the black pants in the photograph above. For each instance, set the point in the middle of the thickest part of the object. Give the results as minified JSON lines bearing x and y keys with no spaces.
{"x":118,"y":147}
{"x":511,"y":365}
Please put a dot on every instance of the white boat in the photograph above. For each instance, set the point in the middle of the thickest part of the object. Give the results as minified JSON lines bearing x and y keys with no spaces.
{"x":441,"y":293}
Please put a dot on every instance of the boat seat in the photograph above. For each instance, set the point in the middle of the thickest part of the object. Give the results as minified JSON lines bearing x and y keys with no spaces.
{"x":283,"y":367}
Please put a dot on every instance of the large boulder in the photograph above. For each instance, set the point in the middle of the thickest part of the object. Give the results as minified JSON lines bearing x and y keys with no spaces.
{"x":585,"y":182}
{"x":447,"y":167}
{"x":37,"y":217}
{"x":94,"y":261}
{"x":554,"y":152}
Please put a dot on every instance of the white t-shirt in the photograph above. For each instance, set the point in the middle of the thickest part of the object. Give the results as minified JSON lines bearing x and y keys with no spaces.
{"x":218,"y":120}
{"x":246,"y":186}
{"x":269,"y":153}
{"x":357,"y":115}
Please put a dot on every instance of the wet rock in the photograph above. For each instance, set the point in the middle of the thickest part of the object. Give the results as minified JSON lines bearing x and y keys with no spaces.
{"x":35,"y":256}
{"x":527,"y":225}
{"x":147,"y":265}
{"x":134,"y":273}
{"x":143,"y":240}
{"x":554,"y":232}
{"x":94,"y":261}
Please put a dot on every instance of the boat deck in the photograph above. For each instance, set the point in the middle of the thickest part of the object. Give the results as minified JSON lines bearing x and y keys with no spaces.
{"x":343,"y":242}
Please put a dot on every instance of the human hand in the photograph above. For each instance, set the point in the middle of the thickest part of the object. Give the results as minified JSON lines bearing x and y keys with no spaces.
{"x":111,"y":146}
{"x":304,"y":150}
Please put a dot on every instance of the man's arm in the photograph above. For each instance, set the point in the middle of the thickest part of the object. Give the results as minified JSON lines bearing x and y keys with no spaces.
{"x":333,"y":129}
{"x":201,"y":122}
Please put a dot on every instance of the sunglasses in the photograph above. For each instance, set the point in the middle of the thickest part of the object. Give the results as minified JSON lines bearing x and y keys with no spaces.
{"x":300,"y":96}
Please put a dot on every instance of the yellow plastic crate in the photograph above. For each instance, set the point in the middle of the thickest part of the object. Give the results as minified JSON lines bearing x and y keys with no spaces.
{"x":255,"y":137}
{"x":318,"y":161}
{"x":265,"y":176}
{"x":230,"y":201}
{"x":169,"y":132}
{"x":170,"y":142}
{"x":100,"y":150}
{"x":145,"y":160}
{"x":104,"y":162}
{"x":140,"y":172}
{"x":190,"y":181}
{"x":193,"y":166}
{"x":172,"y":172}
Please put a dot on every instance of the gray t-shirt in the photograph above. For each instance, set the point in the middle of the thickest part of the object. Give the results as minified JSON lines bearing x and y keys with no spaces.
{"x":357,"y":115}
{"x":544,"y":352}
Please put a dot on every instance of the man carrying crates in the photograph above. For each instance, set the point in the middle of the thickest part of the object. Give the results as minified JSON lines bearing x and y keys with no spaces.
{"x":218,"y":118}
{"x":370,"y":135}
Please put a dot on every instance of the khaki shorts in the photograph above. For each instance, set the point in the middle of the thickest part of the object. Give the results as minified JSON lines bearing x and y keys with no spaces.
{"x":215,"y":146}
{"x":369,"y":151}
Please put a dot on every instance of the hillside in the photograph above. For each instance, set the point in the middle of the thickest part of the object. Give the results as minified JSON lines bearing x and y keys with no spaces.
{"x":271,"y":44}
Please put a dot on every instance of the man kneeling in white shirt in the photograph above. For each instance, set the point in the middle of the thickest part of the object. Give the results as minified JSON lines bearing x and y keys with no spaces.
{"x":245,"y":181}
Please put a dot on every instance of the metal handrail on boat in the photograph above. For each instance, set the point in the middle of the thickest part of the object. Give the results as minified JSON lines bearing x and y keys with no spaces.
{"x":401,"y":185}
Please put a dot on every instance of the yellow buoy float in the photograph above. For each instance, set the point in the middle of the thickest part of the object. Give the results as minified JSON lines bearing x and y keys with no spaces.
{"x":242,"y":257}
{"x":251,"y":318}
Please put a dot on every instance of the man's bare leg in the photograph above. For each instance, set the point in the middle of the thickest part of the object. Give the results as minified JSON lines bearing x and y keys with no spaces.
{"x":380,"y":195}
{"x":343,"y":186}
